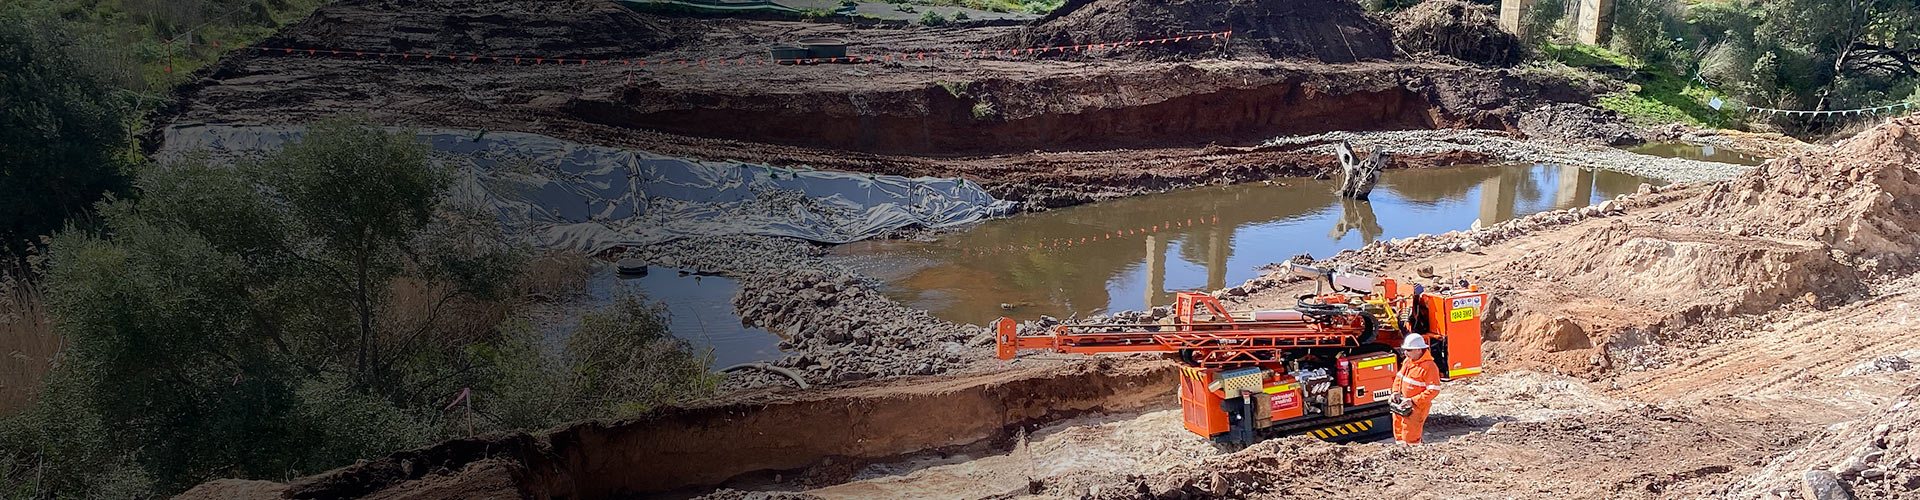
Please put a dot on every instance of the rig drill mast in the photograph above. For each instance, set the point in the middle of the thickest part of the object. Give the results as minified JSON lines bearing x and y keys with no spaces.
{"x":1324,"y":367}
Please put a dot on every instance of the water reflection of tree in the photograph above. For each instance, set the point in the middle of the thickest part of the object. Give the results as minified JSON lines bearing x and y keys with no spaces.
{"x":1357,"y":215}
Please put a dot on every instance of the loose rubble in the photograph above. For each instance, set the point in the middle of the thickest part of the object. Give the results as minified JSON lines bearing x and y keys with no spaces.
{"x":1877,"y":457}
{"x":841,"y":330}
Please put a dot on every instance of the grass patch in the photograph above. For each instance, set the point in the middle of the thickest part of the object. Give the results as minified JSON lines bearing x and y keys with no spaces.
{"x":130,"y":36}
{"x":1588,"y":56}
{"x":1660,"y":97}
{"x":1654,"y":95}
{"x":28,"y":344}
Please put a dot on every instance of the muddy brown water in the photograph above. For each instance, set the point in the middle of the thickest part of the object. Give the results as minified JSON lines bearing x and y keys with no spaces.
{"x":1198,"y":239}
{"x":1701,"y":152}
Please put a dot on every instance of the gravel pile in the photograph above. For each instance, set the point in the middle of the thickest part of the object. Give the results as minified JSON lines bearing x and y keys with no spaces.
{"x":839,"y":329}
{"x":835,"y":326}
{"x":1578,"y":123}
{"x":1520,"y":151}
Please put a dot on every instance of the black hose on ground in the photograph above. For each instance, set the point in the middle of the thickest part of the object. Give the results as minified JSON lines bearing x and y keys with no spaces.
{"x":775,"y":369}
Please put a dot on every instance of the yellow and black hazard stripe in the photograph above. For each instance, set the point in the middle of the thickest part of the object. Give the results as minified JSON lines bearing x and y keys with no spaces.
{"x":1343,"y":429}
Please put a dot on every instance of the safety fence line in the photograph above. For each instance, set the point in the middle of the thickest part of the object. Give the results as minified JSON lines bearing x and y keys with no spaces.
{"x":638,"y":63}
{"x":977,"y":251}
{"x":1843,"y":112}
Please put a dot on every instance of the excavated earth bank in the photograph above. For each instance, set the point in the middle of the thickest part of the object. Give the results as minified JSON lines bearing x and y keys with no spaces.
{"x":820,"y":435}
{"x":1588,"y":292}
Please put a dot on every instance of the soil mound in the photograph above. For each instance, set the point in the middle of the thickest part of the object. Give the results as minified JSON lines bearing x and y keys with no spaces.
{"x":841,"y":330}
{"x":538,"y":28}
{"x":1862,"y":197}
{"x":1326,"y":30}
{"x":1577,"y":123}
{"x":1691,"y":268}
{"x":1459,"y":29}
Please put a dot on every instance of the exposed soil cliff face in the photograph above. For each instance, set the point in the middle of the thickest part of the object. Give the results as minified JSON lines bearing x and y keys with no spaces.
{"x":824,"y":435}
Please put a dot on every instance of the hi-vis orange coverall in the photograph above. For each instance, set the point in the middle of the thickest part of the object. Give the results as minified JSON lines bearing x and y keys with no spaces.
{"x":1418,"y":380}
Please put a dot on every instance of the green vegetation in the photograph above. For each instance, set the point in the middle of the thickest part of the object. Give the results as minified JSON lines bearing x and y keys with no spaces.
{"x":292,"y":314}
{"x":129,"y":37}
{"x":1388,"y":6}
{"x":956,"y":89}
{"x":63,"y":135}
{"x":78,"y":76}
{"x":932,"y":18}
{"x":1788,"y":54}
{"x":1653,"y":96}
{"x":983,"y":110}
{"x":1544,"y":20}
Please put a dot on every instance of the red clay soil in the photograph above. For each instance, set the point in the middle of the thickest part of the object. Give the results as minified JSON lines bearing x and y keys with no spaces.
{"x":981,"y":118}
{"x":702,"y":446}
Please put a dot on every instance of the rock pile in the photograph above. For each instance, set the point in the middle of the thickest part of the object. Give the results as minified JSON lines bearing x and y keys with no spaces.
{"x":839,"y":329}
{"x":1578,"y":123}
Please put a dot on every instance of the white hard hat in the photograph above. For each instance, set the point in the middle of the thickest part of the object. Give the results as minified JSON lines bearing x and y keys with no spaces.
{"x":1414,"y":342}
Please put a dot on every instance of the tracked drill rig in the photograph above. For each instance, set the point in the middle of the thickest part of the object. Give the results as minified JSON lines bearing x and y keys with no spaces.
{"x":1324,"y":367}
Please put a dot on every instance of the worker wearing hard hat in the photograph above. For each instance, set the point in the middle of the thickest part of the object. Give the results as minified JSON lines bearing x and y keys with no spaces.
{"x":1413,"y":389}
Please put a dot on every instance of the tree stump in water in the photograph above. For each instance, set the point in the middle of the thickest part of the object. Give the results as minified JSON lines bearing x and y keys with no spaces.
{"x":1360,"y":175}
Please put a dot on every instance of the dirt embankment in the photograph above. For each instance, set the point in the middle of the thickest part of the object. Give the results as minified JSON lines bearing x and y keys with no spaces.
{"x":814,"y":438}
{"x":1321,"y":30}
{"x":877,"y":116}
{"x":1159,"y":105}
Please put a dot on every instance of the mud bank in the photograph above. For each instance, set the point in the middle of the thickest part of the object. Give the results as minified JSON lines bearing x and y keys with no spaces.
{"x":818,"y":437}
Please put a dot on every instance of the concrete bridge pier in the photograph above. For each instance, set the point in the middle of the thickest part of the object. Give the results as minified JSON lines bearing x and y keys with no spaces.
{"x":1592,"y":20}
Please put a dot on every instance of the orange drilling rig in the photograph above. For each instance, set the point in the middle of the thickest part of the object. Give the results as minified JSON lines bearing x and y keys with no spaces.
{"x":1324,"y":367}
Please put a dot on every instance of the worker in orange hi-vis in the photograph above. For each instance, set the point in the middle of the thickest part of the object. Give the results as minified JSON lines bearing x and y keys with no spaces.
{"x":1413,"y":389}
